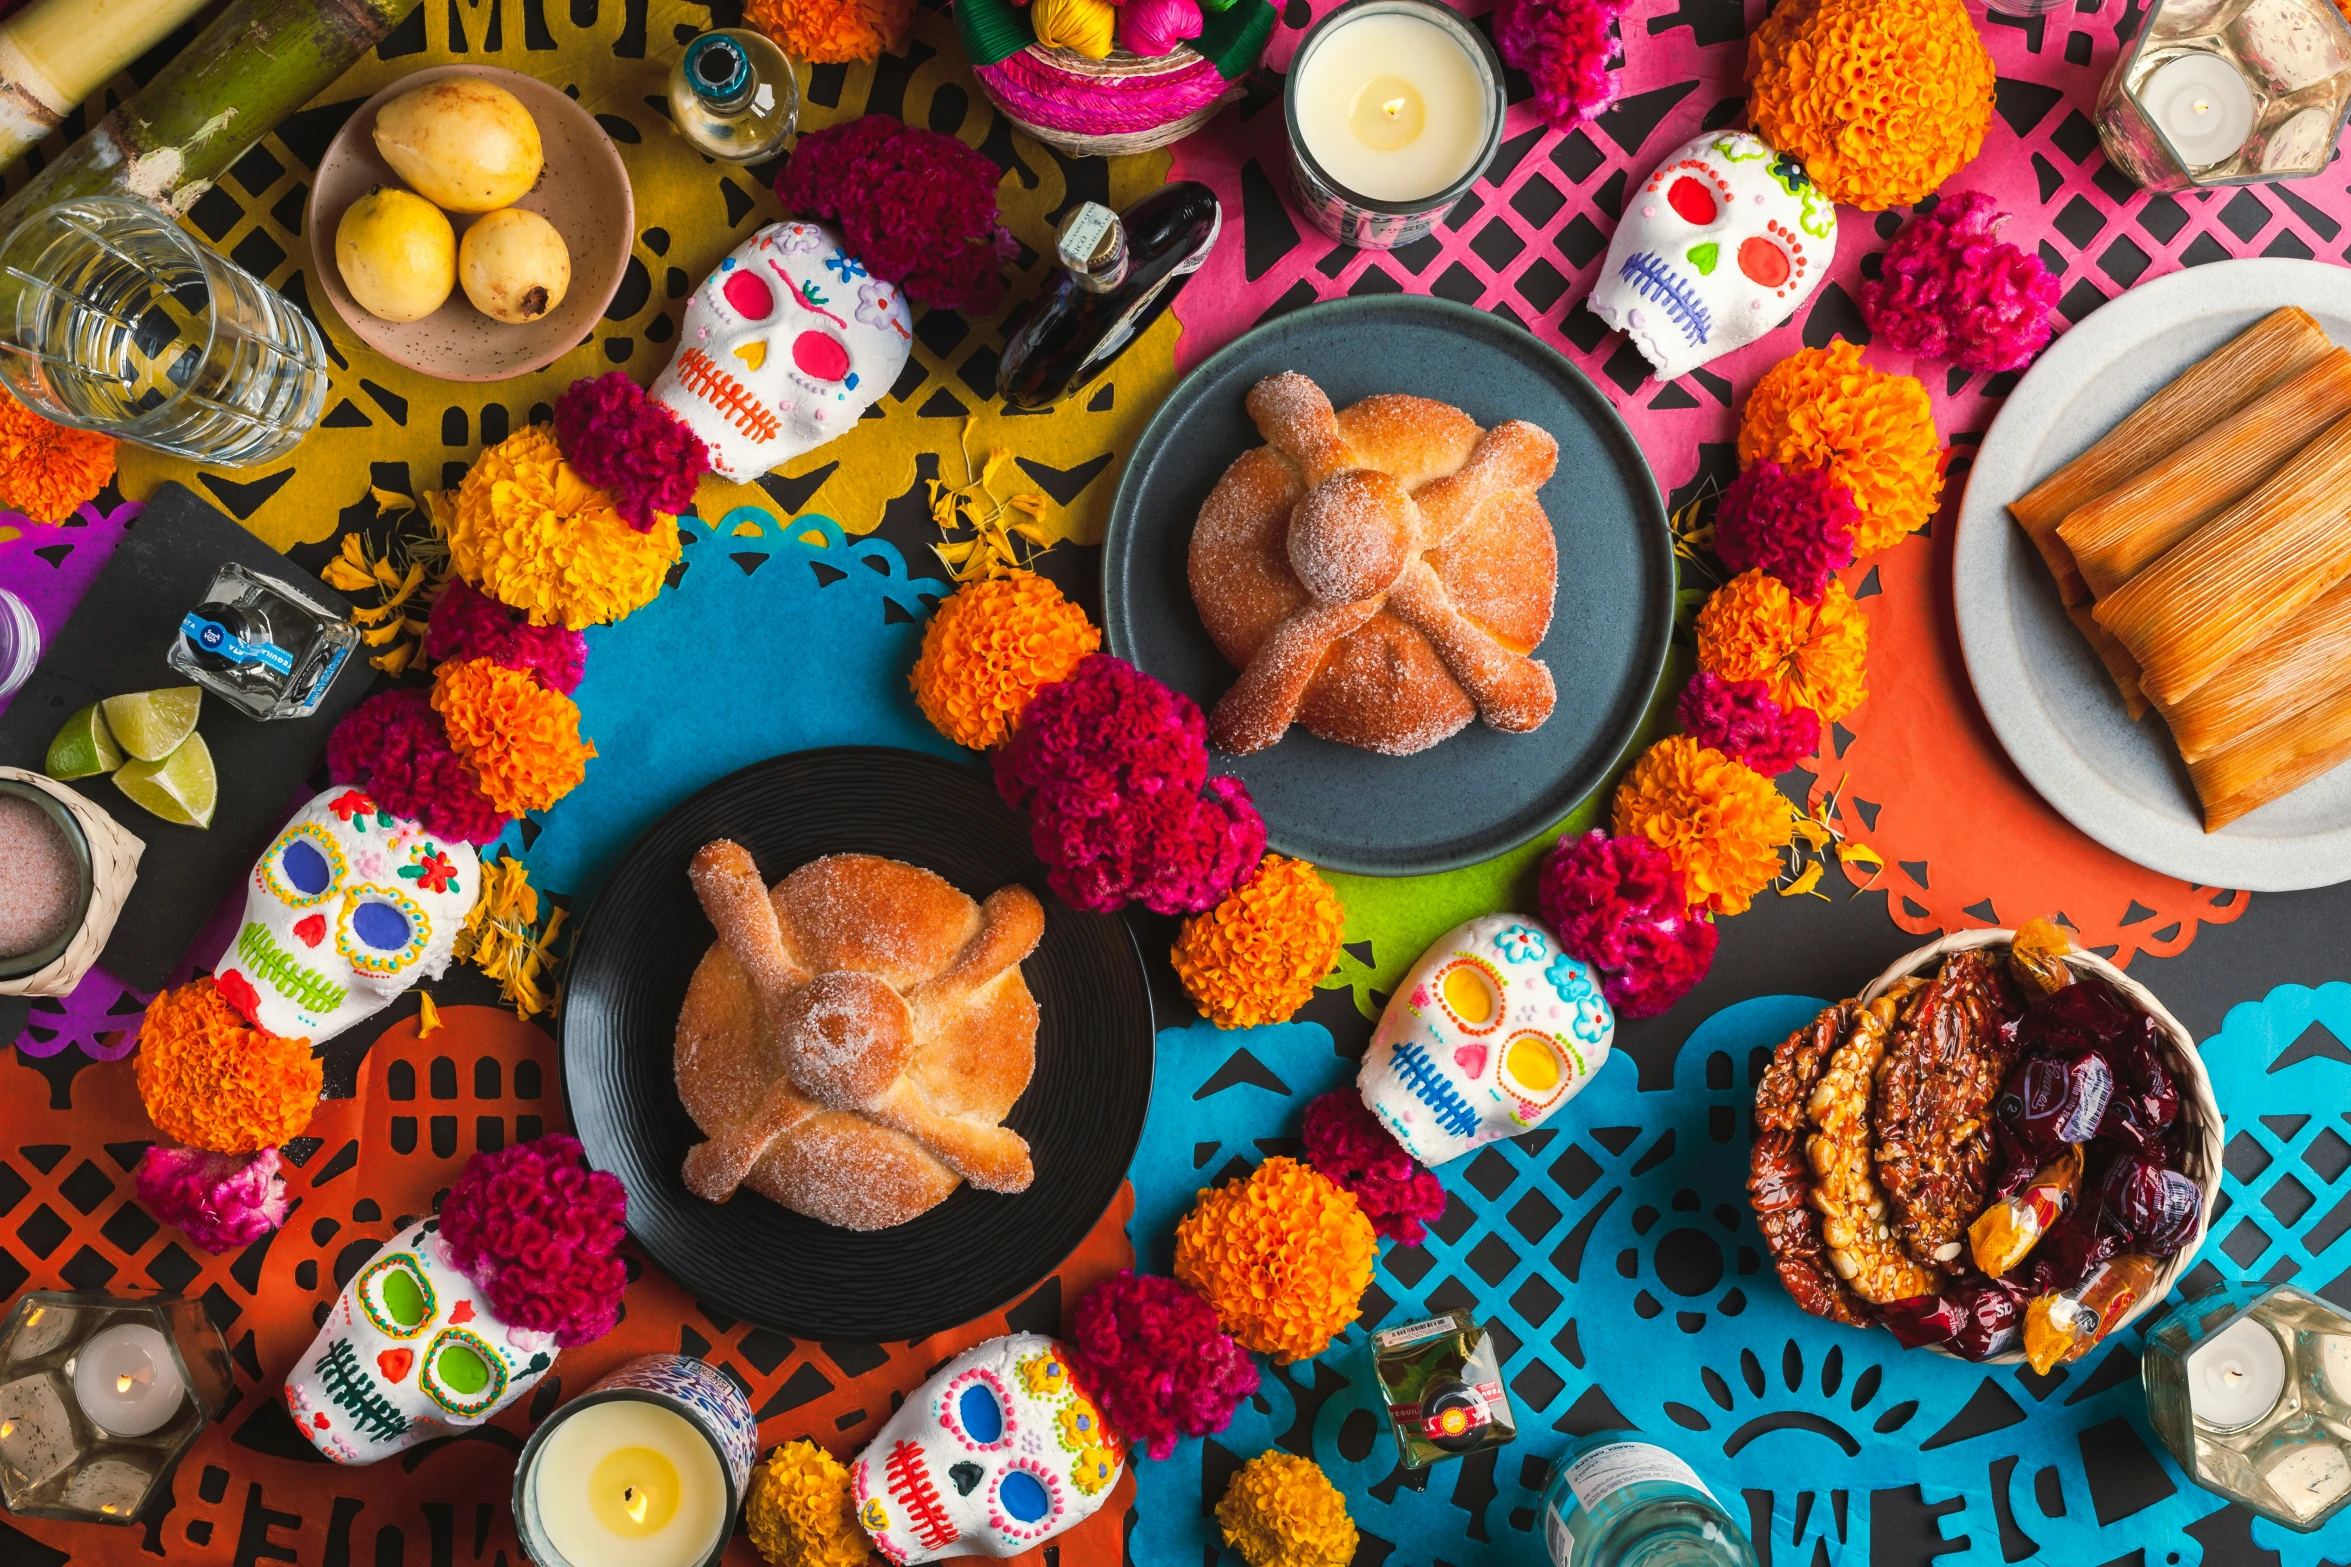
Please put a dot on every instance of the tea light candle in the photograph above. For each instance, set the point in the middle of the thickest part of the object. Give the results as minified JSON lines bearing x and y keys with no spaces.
{"x":127,"y":1381}
{"x":1391,"y":105}
{"x":626,"y":1482}
{"x":2236,"y":1376}
{"x":2203,"y":105}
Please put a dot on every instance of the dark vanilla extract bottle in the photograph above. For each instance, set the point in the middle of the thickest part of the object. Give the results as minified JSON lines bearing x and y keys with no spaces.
{"x":1120,"y":270}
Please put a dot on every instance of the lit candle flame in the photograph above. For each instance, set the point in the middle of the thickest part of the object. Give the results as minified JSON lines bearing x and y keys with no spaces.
{"x":1393,"y":107}
{"x":7,"y":1428}
{"x":123,"y":1383}
{"x":107,"y":1508}
{"x":2203,"y":106}
{"x":634,"y":1501}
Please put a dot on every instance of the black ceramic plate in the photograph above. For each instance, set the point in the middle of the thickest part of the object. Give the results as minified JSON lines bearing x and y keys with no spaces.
{"x":1082,"y":1114}
{"x":1482,"y":791}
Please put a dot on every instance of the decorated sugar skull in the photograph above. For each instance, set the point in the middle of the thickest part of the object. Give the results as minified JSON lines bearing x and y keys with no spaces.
{"x":410,"y":1351}
{"x":998,"y":1451}
{"x":1720,"y":245}
{"x":784,"y":347}
{"x":1493,"y":1030}
{"x":346,"y":909}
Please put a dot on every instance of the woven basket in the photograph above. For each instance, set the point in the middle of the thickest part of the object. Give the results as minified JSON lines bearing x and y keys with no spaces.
{"x":114,"y":867}
{"x":1095,"y":95}
{"x":2200,"y":1162}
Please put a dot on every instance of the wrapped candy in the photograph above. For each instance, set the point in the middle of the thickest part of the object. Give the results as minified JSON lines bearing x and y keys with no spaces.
{"x":2036,"y":956}
{"x":2085,"y":1015}
{"x":2146,"y":1101}
{"x":2053,"y":1101}
{"x":2062,"y":1326}
{"x":2151,"y":1206}
{"x":2004,"y":1232}
{"x":1975,"y":1319}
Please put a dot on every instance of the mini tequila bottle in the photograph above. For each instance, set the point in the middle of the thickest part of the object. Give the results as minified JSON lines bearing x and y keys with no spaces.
{"x":266,"y":649}
{"x":733,"y":94}
{"x":1617,"y":1501}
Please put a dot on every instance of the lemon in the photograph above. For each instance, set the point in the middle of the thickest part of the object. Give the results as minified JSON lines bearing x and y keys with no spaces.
{"x":151,"y":724}
{"x":180,"y":788}
{"x":83,"y":748}
{"x":397,"y":254}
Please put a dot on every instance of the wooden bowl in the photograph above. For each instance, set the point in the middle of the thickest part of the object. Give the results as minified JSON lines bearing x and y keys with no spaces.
{"x":2200,"y":1162}
{"x":584,"y":193}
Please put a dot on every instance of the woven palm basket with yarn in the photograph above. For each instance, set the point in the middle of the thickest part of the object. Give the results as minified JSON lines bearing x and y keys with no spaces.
{"x":1123,"y":102}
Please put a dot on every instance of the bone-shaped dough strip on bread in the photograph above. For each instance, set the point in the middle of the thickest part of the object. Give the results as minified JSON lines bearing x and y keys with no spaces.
{"x":734,"y":896}
{"x":1296,"y":419}
{"x":1258,"y":709}
{"x":1512,"y":456}
{"x":992,"y":1158}
{"x":1012,"y":922}
{"x":1513,"y":692}
{"x":714,"y":1169}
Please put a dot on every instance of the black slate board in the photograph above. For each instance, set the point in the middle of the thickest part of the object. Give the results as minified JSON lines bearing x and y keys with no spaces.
{"x":115,"y":643}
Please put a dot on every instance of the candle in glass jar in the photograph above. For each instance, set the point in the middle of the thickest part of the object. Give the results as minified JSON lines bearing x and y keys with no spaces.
{"x":1391,"y":106}
{"x":127,"y":1381}
{"x":2203,"y":105}
{"x":2236,"y":1377}
{"x":626,"y":1482}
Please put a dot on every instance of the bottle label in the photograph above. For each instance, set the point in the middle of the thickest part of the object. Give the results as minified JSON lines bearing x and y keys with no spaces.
{"x":1606,"y":1470}
{"x":326,"y":676}
{"x":1558,"y":1537}
{"x":214,"y":638}
{"x":1413,"y":1333}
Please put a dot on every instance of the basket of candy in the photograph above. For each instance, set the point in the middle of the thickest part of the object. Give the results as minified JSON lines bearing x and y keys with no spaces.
{"x":2004,"y":1149}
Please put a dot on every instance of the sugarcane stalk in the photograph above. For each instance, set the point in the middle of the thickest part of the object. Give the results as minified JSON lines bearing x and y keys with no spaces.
{"x":55,"y":53}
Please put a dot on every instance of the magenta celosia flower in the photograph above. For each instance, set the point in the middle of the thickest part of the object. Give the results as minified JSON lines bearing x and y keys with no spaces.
{"x":468,"y":623}
{"x":1346,"y":1142}
{"x":1795,"y":524}
{"x":1152,"y":1356}
{"x":539,"y":1233}
{"x":1951,"y":291}
{"x":1739,"y":719}
{"x":393,"y":746}
{"x":630,"y":447}
{"x":219,"y":1201}
{"x":1564,"y":47}
{"x":915,"y":207}
{"x":1618,"y":904}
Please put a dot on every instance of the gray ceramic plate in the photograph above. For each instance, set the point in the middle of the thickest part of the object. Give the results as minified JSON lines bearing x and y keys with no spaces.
{"x":2046,"y":694}
{"x":1482,"y":791}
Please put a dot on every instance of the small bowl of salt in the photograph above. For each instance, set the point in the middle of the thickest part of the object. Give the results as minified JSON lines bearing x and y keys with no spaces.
{"x":46,"y":878}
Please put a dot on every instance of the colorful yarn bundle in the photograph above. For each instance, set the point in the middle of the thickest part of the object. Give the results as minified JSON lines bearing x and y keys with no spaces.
{"x":1565,"y":47}
{"x":1951,"y":290}
{"x":1105,"y":77}
{"x":1155,"y":27}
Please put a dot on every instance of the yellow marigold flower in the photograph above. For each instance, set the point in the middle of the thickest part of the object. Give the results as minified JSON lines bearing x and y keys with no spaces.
{"x":211,"y":1080}
{"x":1880,"y":100}
{"x":800,"y":1512}
{"x":521,"y":739}
{"x":1874,"y":432}
{"x":1257,"y":956}
{"x":46,"y":470}
{"x":993,"y":646}
{"x":1282,"y":1257}
{"x":1282,"y":1511}
{"x":526,"y":529}
{"x":1719,"y":821}
{"x":833,"y":32}
{"x":1808,"y":655}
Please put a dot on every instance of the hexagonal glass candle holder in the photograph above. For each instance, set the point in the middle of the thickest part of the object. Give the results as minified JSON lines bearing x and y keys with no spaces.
{"x":2252,"y":1394}
{"x":100,"y":1398}
{"x":2228,"y":92}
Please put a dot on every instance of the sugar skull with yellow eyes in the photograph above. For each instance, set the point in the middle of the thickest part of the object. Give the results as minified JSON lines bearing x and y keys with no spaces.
{"x":346,"y":909}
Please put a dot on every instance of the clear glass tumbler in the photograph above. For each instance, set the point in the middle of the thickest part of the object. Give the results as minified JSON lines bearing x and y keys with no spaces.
{"x":114,"y":319}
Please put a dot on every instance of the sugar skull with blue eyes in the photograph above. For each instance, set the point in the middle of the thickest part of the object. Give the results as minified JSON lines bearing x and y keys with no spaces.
{"x":347,"y":908}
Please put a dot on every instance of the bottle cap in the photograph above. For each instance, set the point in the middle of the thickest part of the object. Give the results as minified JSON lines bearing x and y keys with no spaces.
{"x":1093,"y":245}
{"x":718,"y":69}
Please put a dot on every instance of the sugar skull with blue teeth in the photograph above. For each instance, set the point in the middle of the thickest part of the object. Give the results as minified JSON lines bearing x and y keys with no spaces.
{"x":1723,"y":242}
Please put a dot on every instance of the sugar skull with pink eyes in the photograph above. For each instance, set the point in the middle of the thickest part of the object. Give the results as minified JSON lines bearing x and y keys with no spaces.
{"x":785,"y":345}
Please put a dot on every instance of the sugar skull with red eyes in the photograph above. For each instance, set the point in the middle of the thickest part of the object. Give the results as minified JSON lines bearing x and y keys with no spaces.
{"x":785,"y":346}
{"x":1720,"y":245}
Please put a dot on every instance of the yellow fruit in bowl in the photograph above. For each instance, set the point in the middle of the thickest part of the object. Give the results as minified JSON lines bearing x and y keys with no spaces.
{"x":397,"y":254}
{"x":513,"y":265}
{"x":464,"y":144}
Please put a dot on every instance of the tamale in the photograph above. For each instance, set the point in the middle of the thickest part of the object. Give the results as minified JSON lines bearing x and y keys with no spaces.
{"x":2273,"y":762}
{"x":2207,"y":392}
{"x":2120,"y":666}
{"x":2248,"y":570}
{"x":2307,"y":661}
{"x":2130,"y":525}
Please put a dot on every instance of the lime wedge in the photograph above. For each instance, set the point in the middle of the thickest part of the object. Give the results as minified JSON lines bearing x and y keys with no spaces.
{"x":181,"y":788}
{"x":151,"y":724}
{"x":83,"y":748}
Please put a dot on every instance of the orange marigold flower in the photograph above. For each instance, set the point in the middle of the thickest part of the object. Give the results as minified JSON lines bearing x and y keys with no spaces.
{"x":46,"y":469}
{"x":1873,"y":432}
{"x":1880,"y":100}
{"x":1808,"y":655}
{"x":211,"y":1080}
{"x":1282,"y":1511}
{"x":526,"y":529}
{"x":833,"y":32}
{"x":1720,"y":822}
{"x":1257,"y":956}
{"x":1283,"y":1258}
{"x":992,"y":646}
{"x":521,"y":739}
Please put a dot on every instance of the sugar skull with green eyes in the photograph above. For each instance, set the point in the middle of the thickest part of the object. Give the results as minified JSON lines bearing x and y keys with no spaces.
{"x":346,"y":909}
{"x":409,"y":1351}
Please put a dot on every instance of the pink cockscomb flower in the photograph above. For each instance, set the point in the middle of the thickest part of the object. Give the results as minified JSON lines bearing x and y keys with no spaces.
{"x":630,"y":447}
{"x":1565,"y":47}
{"x":539,"y":1233}
{"x":468,"y":623}
{"x":1618,"y":904}
{"x":915,"y":207}
{"x":1951,"y":291}
{"x":1739,"y":719}
{"x":1795,"y":524}
{"x":1152,"y":1355}
{"x":393,"y":746}
{"x":1346,"y":1142}
{"x":220,"y":1201}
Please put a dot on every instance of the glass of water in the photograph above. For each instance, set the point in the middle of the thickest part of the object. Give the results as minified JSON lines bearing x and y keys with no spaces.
{"x":114,"y":319}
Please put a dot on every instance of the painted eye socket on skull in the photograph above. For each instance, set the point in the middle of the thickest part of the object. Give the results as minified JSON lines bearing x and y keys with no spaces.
{"x":976,"y":1409}
{"x":381,"y":931}
{"x":1763,"y":261}
{"x":462,"y":1373}
{"x":1028,"y":1500}
{"x":306,"y":868}
{"x":1532,"y":1070}
{"x":748,"y":292}
{"x":1693,"y":199}
{"x":397,"y":1296}
{"x":821,"y":355}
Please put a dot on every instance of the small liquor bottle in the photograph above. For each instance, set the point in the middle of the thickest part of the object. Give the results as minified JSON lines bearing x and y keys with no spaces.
{"x":266,"y":649}
{"x":1120,"y":271}
{"x":734,"y":95}
{"x":1617,"y":1501}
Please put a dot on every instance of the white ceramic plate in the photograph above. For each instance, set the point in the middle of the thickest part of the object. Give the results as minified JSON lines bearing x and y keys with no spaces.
{"x":2047,"y":696}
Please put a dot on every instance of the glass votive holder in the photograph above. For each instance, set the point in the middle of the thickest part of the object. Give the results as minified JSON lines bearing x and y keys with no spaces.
{"x":100,"y":1398}
{"x":1394,"y":110}
{"x":20,"y":643}
{"x":2228,"y":92}
{"x":2251,"y":1391}
{"x":647,"y":1466}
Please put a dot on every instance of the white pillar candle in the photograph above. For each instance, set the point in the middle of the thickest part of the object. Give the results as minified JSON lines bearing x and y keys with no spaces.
{"x":2236,"y":1376}
{"x":126,"y":1380}
{"x":2203,"y":105}
{"x":629,"y":1483}
{"x":1392,"y":106}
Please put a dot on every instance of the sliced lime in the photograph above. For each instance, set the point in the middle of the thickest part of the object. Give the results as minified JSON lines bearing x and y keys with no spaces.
{"x":180,"y":788}
{"x":151,"y":724}
{"x":84,"y":748}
